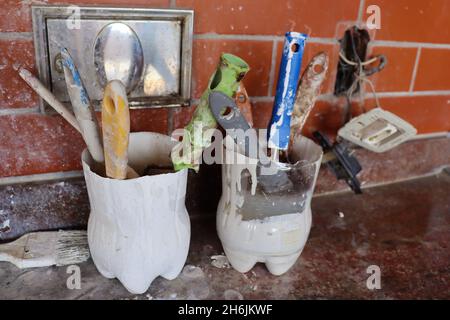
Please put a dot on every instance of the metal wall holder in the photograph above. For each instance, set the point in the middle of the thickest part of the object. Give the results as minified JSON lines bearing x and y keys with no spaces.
{"x":162,"y":77}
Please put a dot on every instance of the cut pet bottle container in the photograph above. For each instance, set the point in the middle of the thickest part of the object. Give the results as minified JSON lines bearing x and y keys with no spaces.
{"x":139,"y":229}
{"x":254,"y":226}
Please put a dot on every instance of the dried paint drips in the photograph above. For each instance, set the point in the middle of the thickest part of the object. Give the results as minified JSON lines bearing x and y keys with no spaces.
{"x":220,"y":261}
{"x":258,"y":227}
{"x":5,"y":226}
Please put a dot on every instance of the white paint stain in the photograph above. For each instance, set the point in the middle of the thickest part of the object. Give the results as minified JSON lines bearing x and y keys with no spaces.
{"x":5,"y":225}
{"x":286,"y":93}
{"x":220,"y":261}
{"x":249,"y":238}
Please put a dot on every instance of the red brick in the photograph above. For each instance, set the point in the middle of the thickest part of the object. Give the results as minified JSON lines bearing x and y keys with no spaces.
{"x":14,"y":92}
{"x":262,"y":112}
{"x":181,"y":116}
{"x":35,"y":143}
{"x":312,"y":49}
{"x":150,"y":120}
{"x":414,"y":20}
{"x":125,"y":3}
{"x":346,"y":25}
{"x":206,"y":55}
{"x":263,"y":17}
{"x":326,"y":117}
{"x":153,"y":120}
{"x":397,"y":74}
{"x":409,"y":159}
{"x":433,"y":71}
{"x":427,"y":113}
{"x":15,"y":15}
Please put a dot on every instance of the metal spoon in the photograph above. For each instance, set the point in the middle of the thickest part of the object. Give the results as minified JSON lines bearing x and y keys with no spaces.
{"x":118,"y":55}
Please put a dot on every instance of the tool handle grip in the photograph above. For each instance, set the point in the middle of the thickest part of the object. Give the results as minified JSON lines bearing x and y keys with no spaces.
{"x":45,"y":94}
{"x":82,"y":107}
{"x":291,"y":61}
{"x":116,"y":129}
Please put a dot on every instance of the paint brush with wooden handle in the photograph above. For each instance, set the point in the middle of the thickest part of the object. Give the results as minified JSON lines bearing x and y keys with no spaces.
{"x":307,"y":93}
{"x":45,"y":94}
{"x":116,"y":129}
{"x":43,"y":249}
{"x":82,"y":107}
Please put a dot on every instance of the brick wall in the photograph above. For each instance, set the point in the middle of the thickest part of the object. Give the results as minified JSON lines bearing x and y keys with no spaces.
{"x":414,"y":35}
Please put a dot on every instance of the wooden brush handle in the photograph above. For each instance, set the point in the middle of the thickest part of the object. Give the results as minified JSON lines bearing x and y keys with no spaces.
{"x":83,"y":108}
{"x":45,"y":94}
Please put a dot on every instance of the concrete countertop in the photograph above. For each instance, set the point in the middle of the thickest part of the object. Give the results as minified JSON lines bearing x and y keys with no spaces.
{"x":402,"y":228}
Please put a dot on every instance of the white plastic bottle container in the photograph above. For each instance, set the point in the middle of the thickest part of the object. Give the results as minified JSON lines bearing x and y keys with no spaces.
{"x":139,"y":229}
{"x":255,"y":226}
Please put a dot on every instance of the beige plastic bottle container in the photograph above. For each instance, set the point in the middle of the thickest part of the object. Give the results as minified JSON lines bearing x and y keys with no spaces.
{"x":254,"y":226}
{"x":139,"y":229}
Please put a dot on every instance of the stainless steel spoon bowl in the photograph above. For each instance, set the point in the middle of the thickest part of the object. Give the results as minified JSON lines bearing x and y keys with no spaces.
{"x":118,"y":55}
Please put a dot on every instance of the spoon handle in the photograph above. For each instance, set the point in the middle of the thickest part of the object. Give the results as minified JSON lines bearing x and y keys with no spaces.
{"x":116,"y":129}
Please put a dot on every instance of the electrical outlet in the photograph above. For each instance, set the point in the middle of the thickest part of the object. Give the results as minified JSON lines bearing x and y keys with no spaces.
{"x":354,"y":47}
{"x":377,"y":130}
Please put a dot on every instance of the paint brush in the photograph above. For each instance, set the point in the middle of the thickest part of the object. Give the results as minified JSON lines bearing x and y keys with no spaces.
{"x":45,"y":94}
{"x":82,"y":107}
{"x":43,"y":249}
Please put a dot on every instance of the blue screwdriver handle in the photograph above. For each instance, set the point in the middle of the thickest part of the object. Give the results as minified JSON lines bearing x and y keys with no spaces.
{"x":291,"y":62}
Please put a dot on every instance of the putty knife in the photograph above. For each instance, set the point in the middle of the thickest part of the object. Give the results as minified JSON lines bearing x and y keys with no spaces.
{"x":307,"y":93}
{"x":233,"y":120}
{"x":271,"y":183}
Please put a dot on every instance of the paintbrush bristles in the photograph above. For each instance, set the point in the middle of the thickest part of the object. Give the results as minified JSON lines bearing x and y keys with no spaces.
{"x":71,"y":247}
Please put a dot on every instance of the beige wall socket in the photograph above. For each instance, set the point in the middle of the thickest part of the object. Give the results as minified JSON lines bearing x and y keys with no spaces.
{"x":377,"y":130}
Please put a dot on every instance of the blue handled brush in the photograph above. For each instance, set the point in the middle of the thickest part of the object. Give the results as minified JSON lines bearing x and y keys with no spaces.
{"x":291,"y":62}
